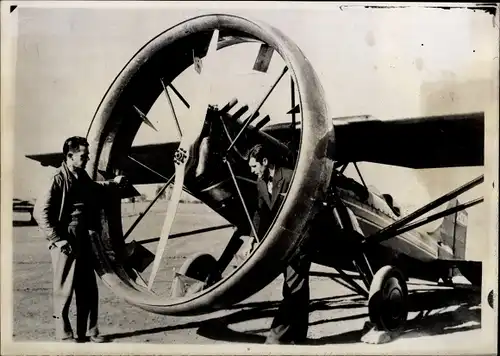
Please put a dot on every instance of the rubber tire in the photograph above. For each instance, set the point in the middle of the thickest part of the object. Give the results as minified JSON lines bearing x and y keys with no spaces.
{"x":387,"y":277}
{"x":197,"y":264}
{"x":472,"y":272}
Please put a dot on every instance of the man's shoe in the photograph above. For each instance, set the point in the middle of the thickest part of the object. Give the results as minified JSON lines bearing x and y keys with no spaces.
{"x":81,"y":339}
{"x":98,"y":339}
{"x":67,"y":339}
{"x":272,"y":341}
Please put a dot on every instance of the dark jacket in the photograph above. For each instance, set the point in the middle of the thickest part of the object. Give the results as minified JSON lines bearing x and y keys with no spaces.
{"x":52,"y":211}
{"x":268,"y":206}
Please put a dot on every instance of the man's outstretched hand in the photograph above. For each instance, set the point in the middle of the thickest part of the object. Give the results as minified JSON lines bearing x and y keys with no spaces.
{"x":248,"y":247}
{"x":121,"y":181}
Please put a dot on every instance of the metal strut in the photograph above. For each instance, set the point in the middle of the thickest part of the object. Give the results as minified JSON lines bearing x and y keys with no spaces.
{"x":360,"y":263}
{"x":393,"y":229}
{"x":440,"y":215}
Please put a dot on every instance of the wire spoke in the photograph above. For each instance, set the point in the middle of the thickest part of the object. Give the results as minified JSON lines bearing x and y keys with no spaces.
{"x":252,"y":117}
{"x":150,"y":205}
{"x":172,"y":109}
{"x":176,"y":92}
{"x":148,"y":168}
{"x":158,"y":174}
{"x":233,"y":177}
{"x":141,"y":216}
{"x":230,"y":138}
{"x":187,"y":233}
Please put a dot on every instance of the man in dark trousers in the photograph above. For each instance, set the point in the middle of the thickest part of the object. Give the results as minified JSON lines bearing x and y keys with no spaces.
{"x":291,"y":322}
{"x":65,"y":214}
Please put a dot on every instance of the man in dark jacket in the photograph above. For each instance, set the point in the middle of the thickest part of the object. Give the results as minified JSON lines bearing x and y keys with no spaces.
{"x":65,"y":214}
{"x":291,"y":322}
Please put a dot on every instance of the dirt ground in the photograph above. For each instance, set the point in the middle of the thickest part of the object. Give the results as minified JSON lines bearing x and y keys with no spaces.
{"x":452,"y":318}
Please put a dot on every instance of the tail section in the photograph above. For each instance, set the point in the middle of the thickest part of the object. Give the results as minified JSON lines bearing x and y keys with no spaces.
{"x":452,"y":234}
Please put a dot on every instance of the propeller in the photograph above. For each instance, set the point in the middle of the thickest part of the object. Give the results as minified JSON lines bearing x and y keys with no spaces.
{"x":183,"y":155}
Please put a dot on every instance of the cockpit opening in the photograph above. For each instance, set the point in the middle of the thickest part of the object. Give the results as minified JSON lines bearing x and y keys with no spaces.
{"x":390,"y":201}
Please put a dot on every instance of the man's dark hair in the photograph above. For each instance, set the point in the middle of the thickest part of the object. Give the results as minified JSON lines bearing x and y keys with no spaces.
{"x":73,"y":144}
{"x":259,"y":152}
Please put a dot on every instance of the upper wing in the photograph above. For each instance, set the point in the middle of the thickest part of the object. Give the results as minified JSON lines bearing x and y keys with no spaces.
{"x":427,"y":142}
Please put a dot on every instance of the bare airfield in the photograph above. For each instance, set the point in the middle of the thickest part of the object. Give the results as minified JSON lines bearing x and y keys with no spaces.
{"x":337,"y":314}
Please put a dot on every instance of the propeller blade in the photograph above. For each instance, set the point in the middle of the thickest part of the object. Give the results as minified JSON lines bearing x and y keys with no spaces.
{"x":183,"y":154}
{"x":169,"y":219}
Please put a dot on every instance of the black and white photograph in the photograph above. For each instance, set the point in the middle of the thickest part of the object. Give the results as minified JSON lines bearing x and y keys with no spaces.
{"x":249,"y":178}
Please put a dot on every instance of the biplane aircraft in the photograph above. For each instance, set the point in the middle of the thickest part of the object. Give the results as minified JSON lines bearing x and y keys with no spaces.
{"x":353,"y":228}
{"x":23,"y":206}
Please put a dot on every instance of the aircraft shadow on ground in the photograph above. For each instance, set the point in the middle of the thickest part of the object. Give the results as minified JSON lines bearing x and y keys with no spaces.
{"x":219,"y":329}
{"x":431,"y":320}
{"x":245,"y":312}
{"x":423,"y":301}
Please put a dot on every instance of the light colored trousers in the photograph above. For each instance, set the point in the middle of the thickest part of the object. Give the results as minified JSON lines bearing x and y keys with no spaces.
{"x":75,"y":273}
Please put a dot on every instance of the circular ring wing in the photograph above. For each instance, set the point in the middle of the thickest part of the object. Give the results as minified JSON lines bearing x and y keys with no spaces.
{"x":112,"y":132}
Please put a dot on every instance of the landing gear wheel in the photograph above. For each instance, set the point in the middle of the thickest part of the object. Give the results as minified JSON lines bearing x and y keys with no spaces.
{"x":388,"y":300}
{"x":201,"y":272}
{"x":472,"y":271}
{"x":201,"y":266}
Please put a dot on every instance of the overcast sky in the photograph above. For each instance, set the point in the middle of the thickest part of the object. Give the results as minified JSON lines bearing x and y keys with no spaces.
{"x":370,"y":61}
